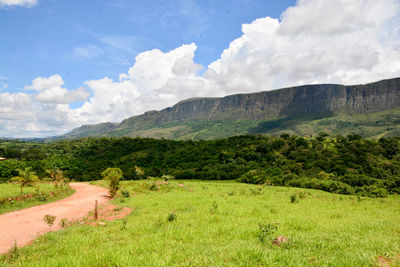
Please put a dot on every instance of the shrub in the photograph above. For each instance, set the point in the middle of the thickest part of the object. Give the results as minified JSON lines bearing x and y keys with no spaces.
{"x":252,"y":177}
{"x":125,"y":193}
{"x":113,"y":175}
{"x":49,"y":219}
{"x":41,"y":197}
{"x":265,"y":231}
{"x":171,"y":217}
{"x":63,"y":222}
{"x":154,"y":187}
{"x":372,"y":191}
{"x":293,"y":198}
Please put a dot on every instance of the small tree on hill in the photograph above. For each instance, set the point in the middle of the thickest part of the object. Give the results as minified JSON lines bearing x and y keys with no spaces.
{"x":139,"y":172}
{"x":113,"y":175}
{"x":25,"y":177}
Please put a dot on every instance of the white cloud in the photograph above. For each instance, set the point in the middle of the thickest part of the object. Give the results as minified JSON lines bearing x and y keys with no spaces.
{"x":335,"y":17}
{"x":60,"y":95}
{"x":43,"y":83}
{"x":185,"y":66}
{"x":153,"y":68}
{"x":50,"y":91}
{"x":24,"y":3}
{"x":316,"y":41}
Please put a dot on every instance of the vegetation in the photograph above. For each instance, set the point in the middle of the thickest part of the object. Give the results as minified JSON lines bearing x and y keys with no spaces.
{"x":12,"y":199}
{"x":323,"y":229}
{"x":49,"y":220}
{"x":113,"y":175}
{"x":25,"y":177}
{"x":58,"y":178}
{"x":345,"y":165}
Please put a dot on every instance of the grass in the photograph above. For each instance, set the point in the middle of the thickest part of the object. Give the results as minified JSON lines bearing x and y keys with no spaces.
{"x":40,"y":193}
{"x":369,"y":125}
{"x":220,"y":224}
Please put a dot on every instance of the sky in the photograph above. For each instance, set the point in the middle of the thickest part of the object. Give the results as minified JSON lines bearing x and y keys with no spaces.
{"x":65,"y":63}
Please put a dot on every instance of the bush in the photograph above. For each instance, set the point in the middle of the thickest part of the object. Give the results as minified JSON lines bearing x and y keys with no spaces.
{"x":171,"y":217}
{"x":293,"y":198}
{"x":252,"y":177}
{"x":125,"y":193}
{"x":49,"y":220}
{"x":113,"y":175}
{"x":266,"y":231}
{"x":372,"y":191}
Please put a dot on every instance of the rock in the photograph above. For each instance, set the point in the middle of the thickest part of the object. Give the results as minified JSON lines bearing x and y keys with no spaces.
{"x":304,"y":100}
{"x":280,"y":240}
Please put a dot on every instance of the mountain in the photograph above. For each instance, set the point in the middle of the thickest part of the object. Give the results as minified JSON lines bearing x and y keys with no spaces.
{"x":371,"y":110}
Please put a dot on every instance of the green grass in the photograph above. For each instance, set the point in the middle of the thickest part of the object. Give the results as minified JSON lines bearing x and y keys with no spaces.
{"x":217,"y":224}
{"x":369,"y":125}
{"x":40,"y":195}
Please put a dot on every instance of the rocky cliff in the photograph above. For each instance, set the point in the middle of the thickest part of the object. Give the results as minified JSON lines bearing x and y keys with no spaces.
{"x":323,"y":100}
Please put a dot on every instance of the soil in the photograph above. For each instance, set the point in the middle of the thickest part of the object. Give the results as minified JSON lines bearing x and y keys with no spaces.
{"x":23,"y":226}
{"x":109,"y":213}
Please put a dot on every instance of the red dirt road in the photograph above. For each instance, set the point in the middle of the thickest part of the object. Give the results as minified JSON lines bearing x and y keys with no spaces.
{"x":25,"y":225}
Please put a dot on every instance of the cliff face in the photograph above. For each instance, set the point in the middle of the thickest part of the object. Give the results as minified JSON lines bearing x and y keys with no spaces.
{"x":320,"y":100}
{"x":287,"y":102}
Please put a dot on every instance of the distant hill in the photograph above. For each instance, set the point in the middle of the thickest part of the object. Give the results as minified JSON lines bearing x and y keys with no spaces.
{"x":371,"y":110}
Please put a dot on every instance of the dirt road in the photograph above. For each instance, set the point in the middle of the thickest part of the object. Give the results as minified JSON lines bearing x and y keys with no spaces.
{"x":23,"y":226}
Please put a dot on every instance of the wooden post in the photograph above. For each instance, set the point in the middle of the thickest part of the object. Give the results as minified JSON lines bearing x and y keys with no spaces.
{"x":96,"y":207}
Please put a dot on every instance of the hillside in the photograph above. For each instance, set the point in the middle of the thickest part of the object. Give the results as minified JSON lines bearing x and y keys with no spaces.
{"x":371,"y":110}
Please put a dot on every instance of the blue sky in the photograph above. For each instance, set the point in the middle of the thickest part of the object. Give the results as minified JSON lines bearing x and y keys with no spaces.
{"x":65,"y":63}
{"x":82,"y":40}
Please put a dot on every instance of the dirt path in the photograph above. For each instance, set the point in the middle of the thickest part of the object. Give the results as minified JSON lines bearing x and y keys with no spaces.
{"x":23,"y":226}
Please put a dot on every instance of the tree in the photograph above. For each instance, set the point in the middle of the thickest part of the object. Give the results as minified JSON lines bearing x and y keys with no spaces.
{"x":139,"y":172}
{"x":25,"y":177}
{"x":57,"y":176}
{"x":113,"y":175}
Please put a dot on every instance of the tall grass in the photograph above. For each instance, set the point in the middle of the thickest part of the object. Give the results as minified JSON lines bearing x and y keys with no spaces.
{"x":218,"y":224}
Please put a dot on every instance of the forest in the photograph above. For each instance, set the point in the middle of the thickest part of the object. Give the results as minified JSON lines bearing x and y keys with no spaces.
{"x":339,"y":164}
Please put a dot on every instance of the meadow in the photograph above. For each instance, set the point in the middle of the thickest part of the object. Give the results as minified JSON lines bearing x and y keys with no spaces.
{"x":224,"y":223}
{"x":32,"y":195}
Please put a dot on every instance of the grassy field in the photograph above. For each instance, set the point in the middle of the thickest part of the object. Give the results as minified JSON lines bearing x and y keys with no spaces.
{"x":192,"y":223}
{"x":39,"y":194}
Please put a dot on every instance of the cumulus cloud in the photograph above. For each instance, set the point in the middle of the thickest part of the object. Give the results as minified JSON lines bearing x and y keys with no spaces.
{"x":24,"y":3}
{"x":43,"y":83}
{"x":50,"y":91}
{"x":60,"y":95}
{"x":315,"y":41}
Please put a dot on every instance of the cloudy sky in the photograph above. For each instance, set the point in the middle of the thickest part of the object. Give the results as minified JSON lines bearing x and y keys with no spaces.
{"x":68,"y":63}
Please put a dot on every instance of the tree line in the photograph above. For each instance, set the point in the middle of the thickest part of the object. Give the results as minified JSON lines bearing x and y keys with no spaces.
{"x":341,"y":164}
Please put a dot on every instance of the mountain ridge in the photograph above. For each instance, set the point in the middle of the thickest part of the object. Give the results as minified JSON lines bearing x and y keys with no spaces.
{"x":247,"y":110}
